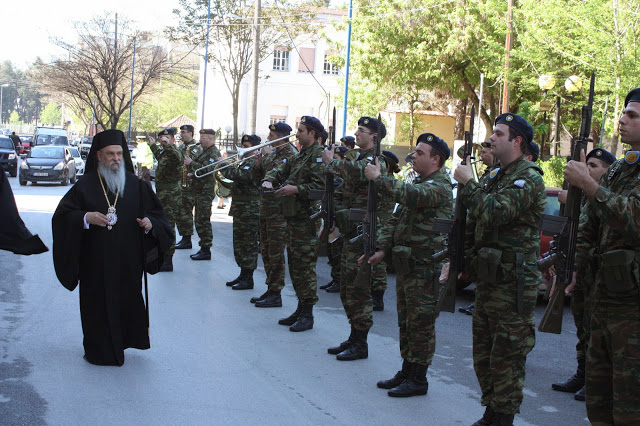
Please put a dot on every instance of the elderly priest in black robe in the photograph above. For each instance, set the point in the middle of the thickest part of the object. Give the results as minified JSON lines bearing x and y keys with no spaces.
{"x":99,"y":230}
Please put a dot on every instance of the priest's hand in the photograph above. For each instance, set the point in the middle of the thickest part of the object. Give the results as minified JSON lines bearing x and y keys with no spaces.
{"x":145,"y":223}
{"x":96,"y":218}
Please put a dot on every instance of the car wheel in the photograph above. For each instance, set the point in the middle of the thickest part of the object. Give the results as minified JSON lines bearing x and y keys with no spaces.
{"x":13,"y":173}
{"x":75,"y":178}
{"x":23,"y":182}
{"x":65,"y":180}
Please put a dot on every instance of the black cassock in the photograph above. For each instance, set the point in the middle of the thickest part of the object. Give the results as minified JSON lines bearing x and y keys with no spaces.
{"x":108,"y":264}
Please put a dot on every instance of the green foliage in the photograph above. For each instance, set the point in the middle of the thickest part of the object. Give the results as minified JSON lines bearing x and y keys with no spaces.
{"x":51,"y":114}
{"x":14,"y":118}
{"x":553,"y":171}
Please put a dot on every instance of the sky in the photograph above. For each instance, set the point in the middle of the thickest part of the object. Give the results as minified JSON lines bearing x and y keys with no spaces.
{"x":28,"y":25}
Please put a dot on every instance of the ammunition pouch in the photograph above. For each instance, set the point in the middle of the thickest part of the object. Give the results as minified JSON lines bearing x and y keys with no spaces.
{"x":346,"y":226}
{"x":403,"y":263}
{"x":289,"y":206}
{"x":619,"y":270}
{"x":488,"y":264}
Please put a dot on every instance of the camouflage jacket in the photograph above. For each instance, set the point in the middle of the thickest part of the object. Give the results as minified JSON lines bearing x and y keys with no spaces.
{"x":611,"y":221}
{"x":201,"y":157}
{"x":188,"y":150}
{"x":270,"y":205}
{"x":170,"y":161}
{"x":420,"y":202}
{"x":505,"y":208}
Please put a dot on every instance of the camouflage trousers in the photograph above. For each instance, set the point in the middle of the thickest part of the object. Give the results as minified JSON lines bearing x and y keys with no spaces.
{"x":357,"y":300}
{"x":202,"y":200}
{"x":185,"y":216}
{"x":301,"y":256}
{"x":502,"y":338}
{"x":272,"y":244}
{"x":613,"y":364}
{"x":245,"y":233}
{"x":416,"y":314}
{"x":581,"y":310}
{"x":335,"y":258}
{"x":170,"y":199}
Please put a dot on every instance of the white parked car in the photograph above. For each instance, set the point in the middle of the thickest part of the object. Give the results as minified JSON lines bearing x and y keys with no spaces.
{"x":78,"y":160}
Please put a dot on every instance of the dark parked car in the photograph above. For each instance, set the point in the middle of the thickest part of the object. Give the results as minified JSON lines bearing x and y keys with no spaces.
{"x":8,"y":156}
{"x":48,"y":163}
{"x":85,"y":146}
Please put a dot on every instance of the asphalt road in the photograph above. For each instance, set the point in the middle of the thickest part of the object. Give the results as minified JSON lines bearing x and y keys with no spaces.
{"x":216,"y":359}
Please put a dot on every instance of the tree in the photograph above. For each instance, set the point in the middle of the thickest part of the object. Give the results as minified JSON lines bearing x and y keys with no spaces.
{"x":97,"y":72}
{"x":51,"y":114}
{"x":22,"y":95}
{"x":231,"y":35}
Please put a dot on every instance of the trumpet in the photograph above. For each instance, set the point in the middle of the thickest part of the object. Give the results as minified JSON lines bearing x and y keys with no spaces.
{"x":240,"y":155}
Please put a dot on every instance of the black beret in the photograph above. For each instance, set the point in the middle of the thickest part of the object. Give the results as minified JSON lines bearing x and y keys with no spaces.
{"x":534,"y":150}
{"x":603,"y":155}
{"x":341,"y":150}
{"x":312,"y":123}
{"x":486,"y":144}
{"x":253,"y":139}
{"x":517,"y":123}
{"x":632,"y":96}
{"x":372,"y":124}
{"x":187,"y":127}
{"x":280,"y":127}
{"x":170,"y":131}
{"x":349,"y":140}
{"x":207,"y":132}
{"x":390,"y":156}
{"x":324,"y":135}
{"x":435,"y":142}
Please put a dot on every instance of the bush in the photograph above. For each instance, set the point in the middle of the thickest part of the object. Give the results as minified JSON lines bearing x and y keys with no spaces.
{"x":553,"y":171}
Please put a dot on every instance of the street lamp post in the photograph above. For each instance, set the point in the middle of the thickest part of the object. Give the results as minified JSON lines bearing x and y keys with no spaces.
{"x":133,"y":68}
{"x":546,"y":83}
{"x":1,"y":104}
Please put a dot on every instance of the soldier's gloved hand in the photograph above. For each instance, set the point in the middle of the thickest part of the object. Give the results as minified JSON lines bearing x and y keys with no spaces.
{"x":267,"y":185}
{"x":372,"y":170}
{"x":327,"y":154}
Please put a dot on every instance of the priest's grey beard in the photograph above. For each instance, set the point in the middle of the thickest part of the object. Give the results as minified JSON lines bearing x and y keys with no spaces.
{"x":113,"y":179}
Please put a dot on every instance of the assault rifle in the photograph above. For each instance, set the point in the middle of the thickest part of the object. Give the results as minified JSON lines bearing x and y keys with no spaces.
{"x":455,"y":238}
{"x":369,"y":220}
{"x":562,"y":249}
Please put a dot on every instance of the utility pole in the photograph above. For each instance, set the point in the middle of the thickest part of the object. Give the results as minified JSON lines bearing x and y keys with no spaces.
{"x":115,"y":61}
{"x":507,"y":58}
{"x":253,"y":100}
{"x":346,"y":74}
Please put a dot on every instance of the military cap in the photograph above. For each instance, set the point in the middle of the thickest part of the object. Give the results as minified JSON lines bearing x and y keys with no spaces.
{"x":170,"y":131}
{"x":372,"y":124}
{"x":603,"y":155}
{"x":324,"y":136}
{"x":349,"y":140}
{"x":436,"y":143}
{"x":534,"y":150}
{"x":341,"y":150}
{"x":632,"y":96}
{"x":517,"y":123}
{"x":312,"y":123}
{"x":207,"y":132}
{"x":486,"y":144}
{"x":253,"y":139}
{"x":392,"y":161}
{"x":280,"y":127}
{"x":187,"y":127}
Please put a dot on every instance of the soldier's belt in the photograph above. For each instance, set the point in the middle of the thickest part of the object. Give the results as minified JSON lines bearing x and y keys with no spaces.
{"x":245,"y":197}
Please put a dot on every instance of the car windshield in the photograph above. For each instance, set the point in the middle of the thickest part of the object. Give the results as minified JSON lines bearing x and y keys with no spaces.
{"x":5,"y":143}
{"x":553,"y":205}
{"x":47,"y":152}
{"x":26,"y":139}
{"x":51,"y":140}
{"x":75,"y":153}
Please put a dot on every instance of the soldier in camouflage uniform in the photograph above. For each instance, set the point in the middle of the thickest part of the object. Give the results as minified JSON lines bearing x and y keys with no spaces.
{"x":355,"y":300}
{"x":168,"y":178}
{"x":610,"y":226}
{"x":598,"y":161}
{"x":503,"y":247}
{"x":273,"y":225}
{"x":296,"y":178}
{"x":245,"y":210}
{"x":185,"y":217}
{"x":203,"y":189}
{"x":408,"y":235}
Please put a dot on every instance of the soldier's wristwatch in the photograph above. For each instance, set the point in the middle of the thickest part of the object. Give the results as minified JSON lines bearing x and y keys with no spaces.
{"x":601,"y":195}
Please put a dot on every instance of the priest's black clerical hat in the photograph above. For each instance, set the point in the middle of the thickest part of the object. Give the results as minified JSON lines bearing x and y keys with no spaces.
{"x":106,"y":138}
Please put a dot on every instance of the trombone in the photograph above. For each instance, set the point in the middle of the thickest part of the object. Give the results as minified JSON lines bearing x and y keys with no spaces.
{"x":223,"y":163}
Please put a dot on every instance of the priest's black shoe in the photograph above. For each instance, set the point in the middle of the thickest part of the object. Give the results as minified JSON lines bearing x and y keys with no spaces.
{"x":327,"y":285}
{"x":167,"y":265}
{"x":359,"y":349}
{"x":377,"y":298}
{"x":487,"y":417}
{"x":254,"y":299}
{"x":575,"y":383}
{"x":185,"y":243}
{"x":415,"y":384}
{"x":203,"y":254}
{"x":398,"y":378}
{"x":291,"y":319}
{"x":246,"y":280}
{"x":273,"y":300}
{"x":334,"y":288}
{"x":304,"y":321}
{"x":342,"y":346}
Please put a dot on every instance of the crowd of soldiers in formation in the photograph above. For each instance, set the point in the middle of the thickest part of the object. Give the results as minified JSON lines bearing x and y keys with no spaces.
{"x":271,"y":190}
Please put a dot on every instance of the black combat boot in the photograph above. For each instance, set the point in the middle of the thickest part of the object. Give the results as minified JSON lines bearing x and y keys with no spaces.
{"x":305,"y":319}
{"x":273,"y":300}
{"x":167,"y":265}
{"x":185,"y":243}
{"x":503,"y":419}
{"x":203,"y":254}
{"x":575,"y":383}
{"x":236,"y":280}
{"x":334,"y":288}
{"x":291,"y":319}
{"x":398,"y":378}
{"x":377,"y":297}
{"x":254,"y":299}
{"x":581,"y":395}
{"x":359,"y":349}
{"x":415,"y":384}
{"x":246,"y":280}
{"x":342,"y":346}
{"x":326,"y":286}
{"x":467,"y":309}
{"x":487,"y":417}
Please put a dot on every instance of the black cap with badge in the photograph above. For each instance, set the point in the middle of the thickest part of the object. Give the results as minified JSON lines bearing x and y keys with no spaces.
{"x":312,"y":123}
{"x":632,"y":96}
{"x":517,"y":123}
{"x":602,"y":155}
{"x":280,"y":127}
{"x":436,"y":143}
{"x":372,"y":124}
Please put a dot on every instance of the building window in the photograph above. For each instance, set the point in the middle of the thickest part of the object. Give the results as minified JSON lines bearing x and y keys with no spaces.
{"x":307,"y":59}
{"x":329,"y":68}
{"x":277,"y":119}
{"x":280,"y":59}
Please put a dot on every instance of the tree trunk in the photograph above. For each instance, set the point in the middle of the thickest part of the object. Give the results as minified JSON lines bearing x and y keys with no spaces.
{"x":461,"y":116}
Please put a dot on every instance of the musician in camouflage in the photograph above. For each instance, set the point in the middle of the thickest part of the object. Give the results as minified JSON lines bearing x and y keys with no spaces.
{"x":610,"y":224}
{"x":185,"y":216}
{"x":295,"y":179}
{"x":273,"y":225}
{"x":408,"y":235}
{"x":502,"y":247}
{"x":168,"y":179}
{"x":356,"y":300}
